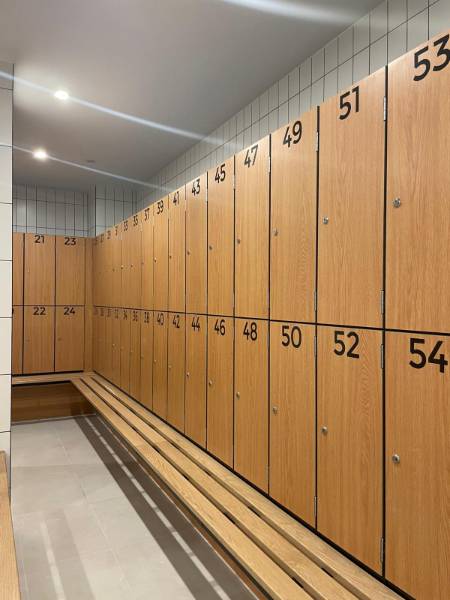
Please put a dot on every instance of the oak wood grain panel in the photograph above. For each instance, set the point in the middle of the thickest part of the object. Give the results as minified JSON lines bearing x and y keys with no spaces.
{"x":101,"y":339}
{"x":220,"y":403}
{"x":160,"y":333}
{"x":117,"y":267}
{"x":135,"y":353}
{"x":293,"y":220}
{"x":221,"y":239}
{"x":418,"y":486}
{"x":69,"y":338}
{"x":108,"y":358}
{"x":125,"y":347}
{"x":252,"y":231}
{"x":47,"y":401}
{"x":9,"y":575}
{"x":95,"y":339}
{"x":146,"y":393}
{"x":18,"y":248}
{"x":349,"y":459}
{"x":88,"y":342}
{"x":116,"y":352}
{"x":195,"y":394}
{"x":39,"y":259}
{"x":147,"y":258}
{"x":39,"y":339}
{"x":126,"y":263}
{"x":292,"y":418}
{"x":196,"y":244}
{"x":135,"y":241}
{"x":70,"y":270}
{"x":161,"y":254}
{"x":177,"y":250}
{"x":108,"y":267}
{"x":251,"y":402}
{"x":17,"y":340}
{"x":176,"y":370}
{"x":351,"y":197}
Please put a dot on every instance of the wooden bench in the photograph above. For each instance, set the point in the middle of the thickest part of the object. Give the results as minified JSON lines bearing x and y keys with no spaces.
{"x":282,"y":556}
{"x":9,"y":576}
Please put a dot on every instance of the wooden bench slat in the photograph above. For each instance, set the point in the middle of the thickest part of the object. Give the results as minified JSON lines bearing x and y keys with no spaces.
{"x":46,"y":378}
{"x":9,"y":576}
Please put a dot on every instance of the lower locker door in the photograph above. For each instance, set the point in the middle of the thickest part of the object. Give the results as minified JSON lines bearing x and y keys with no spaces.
{"x":160,"y":364}
{"x":146,"y":393}
{"x":135,"y":353}
{"x":195,"y":411}
{"x":115,"y":357}
{"x":251,"y":402}
{"x":125,"y":341}
{"x":176,"y":370}
{"x":349,"y":460}
{"x":17,"y":340}
{"x":39,"y":342}
{"x":108,"y":342}
{"x":69,"y":338}
{"x":101,"y":340}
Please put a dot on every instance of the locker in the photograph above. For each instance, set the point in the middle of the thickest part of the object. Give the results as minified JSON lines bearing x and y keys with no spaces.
{"x":108,"y":258}
{"x":251,"y":402}
{"x":39,"y":342}
{"x":293,"y":220}
{"x":349,"y":438}
{"x":108,"y":343}
{"x":125,"y":348}
{"x":220,"y":388}
{"x":161,"y":254}
{"x":292,"y":418}
{"x":99,"y":290}
{"x":418,"y":464}
{"x":147,"y":258}
{"x":126,"y":263}
{"x":116,"y":245}
{"x":146,"y":393}
{"x":195,"y":395}
{"x":101,"y":343}
{"x":135,"y":353}
{"x":18,"y":242}
{"x":160,"y":364}
{"x":17,"y":340}
{"x":351,"y":205}
{"x":115,"y":359}
{"x":418,"y":180}
{"x":196,"y":244}
{"x":135,"y":261}
{"x":95,"y":272}
{"x":95,"y":337}
{"x":69,"y":338}
{"x":70,"y":270}
{"x":176,"y":370}
{"x":252,"y":231}
{"x":39,"y":258}
{"x":177,"y":250}
{"x":221,"y":239}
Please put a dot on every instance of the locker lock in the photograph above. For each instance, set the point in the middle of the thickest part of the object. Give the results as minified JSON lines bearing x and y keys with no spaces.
{"x":275,"y":232}
{"x":210,"y":382}
{"x":170,"y":366}
{"x":154,"y":361}
{"x":154,"y":260}
{"x":396,"y":202}
{"x":275,"y":410}
{"x":210,"y":247}
{"x":170,"y":256}
{"x":325,"y":220}
{"x":238,"y":395}
{"x":188,"y":252}
{"x":324,"y":430}
{"x":188,"y":374}
{"x":395,"y":458}
{"x":238,"y":240}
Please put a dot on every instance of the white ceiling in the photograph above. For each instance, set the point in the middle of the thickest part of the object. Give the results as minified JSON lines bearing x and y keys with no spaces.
{"x":189,"y":64}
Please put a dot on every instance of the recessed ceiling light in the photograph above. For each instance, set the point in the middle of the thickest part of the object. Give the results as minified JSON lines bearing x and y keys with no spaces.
{"x":40,"y":154}
{"x":61,"y":95}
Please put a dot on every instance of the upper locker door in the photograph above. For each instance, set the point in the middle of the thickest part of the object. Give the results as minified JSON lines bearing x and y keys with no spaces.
{"x":196,"y":240}
{"x":116,"y":266}
{"x":146,"y":394}
{"x":147,"y":258}
{"x":160,"y":363}
{"x":109,"y":320}
{"x":161,"y":254}
{"x":39,"y":286}
{"x":69,"y":346}
{"x":108,"y":278}
{"x":221,"y":239}
{"x":125,"y":343}
{"x":251,"y":423}
{"x":135,"y":353}
{"x":418,"y":464}
{"x":135,"y":261}
{"x":350,"y":443}
{"x":252,"y":231}
{"x":115,"y":359}
{"x":177,"y":250}
{"x":70,"y":270}
{"x":292,"y":418}
{"x":418,"y":180}
{"x":293,"y":223}
{"x":18,"y":241}
{"x":195,"y":398}
{"x":126,"y":263}
{"x":176,"y":370}
{"x":39,"y":338}
{"x":351,"y":205}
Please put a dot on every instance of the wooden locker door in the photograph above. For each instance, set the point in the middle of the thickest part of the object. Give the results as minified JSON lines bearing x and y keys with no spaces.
{"x":196,"y":244}
{"x":161,"y":254}
{"x":292,"y":480}
{"x":418,"y":464}
{"x":251,"y":403}
{"x":160,"y":364}
{"x":126,"y":263}
{"x":70,"y":270}
{"x":220,"y":407}
{"x":95,"y":345}
{"x":135,"y":262}
{"x":125,"y":348}
{"x":135,"y":353}
{"x":69,"y":338}
{"x":252,"y":231}
{"x":351,"y":205}
{"x":293,"y":206}
{"x":17,"y":340}
{"x":39,"y":259}
{"x":147,"y":258}
{"x":146,"y":394}
{"x":115,"y":359}
{"x":195,"y":395}
{"x":95,"y":273}
{"x":108,"y":342}
{"x":117,"y":266}
{"x":177,"y":250}
{"x":18,"y":242}
{"x":101,"y":269}
{"x":176,"y":370}
{"x":221,"y":239}
{"x":418,"y":180}
{"x":108,"y":285}
{"x":101,"y":347}
{"x":39,"y":339}
{"x":349,"y":437}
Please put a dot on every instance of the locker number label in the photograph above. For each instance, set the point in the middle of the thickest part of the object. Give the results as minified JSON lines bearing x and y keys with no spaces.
{"x":69,"y":310}
{"x":347,"y":105}
{"x":251,"y":331}
{"x":423,"y":65}
{"x":146,"y":317}
{"x":250,"y":156}
{"x":293,"y":135}
{"x":160,"y":318}
{"x":39,"y":239}
{"x":39,"y":311}
{"x":291,"y":336}
{"x":343,"y":348}
{"x":176,"y":198}
{"x":423,"y":359}
{"x":195,"y":323}
{"x":146,"y":214}
{"x":196,"y":187}
{"x":159,"y":207}
{"x":70,"y":241}
{"x":219,"y":327}
{"x":135,"y":220}
{"x":176,"y":321}
{"x":220,"y":174}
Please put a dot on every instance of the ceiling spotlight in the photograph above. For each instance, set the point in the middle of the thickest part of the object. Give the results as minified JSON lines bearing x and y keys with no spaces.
{"x":61,"y":95}
{"x":40,"y":154}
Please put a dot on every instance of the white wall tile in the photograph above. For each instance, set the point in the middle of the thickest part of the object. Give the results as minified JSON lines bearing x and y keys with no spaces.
{"x":240,"y":121}
{"x":397,"y":13}
{"x":255,"y":113}
{"x":70,"y":218}
{"x":378,"y":54}
{"x":345,"y":45}
{"x":283,"y":114}
{"x":361,"y":65}
{"x":294,"y":82}
{"x":110,"y":205}
{"x":378,"y":22}
{"x":263,"y":127}
{"x":305,"y":74}
{"x":79,"y":217}
{"x":255,"y":135}
{"x":439,"y":17}
{"x":305,"y":100}
{"x":247,"y":118}
{"x":5,"y":346}
{"x":273,"y":97}
{"x":6,"y":292}
{"x":41,"y":214}
{"x":330,"y":85}
{"x":283,"y":89}
{"x":5,"y":174}
{"x":361,"y":34}
{"x":5,"y":117}
{"x":5,"y":403}
{"x":51,"y":214}
{"x":127,"y":210}
{"x":273,"y":120}
{"x":331,"y":55}
{"x":318,"y":65}
{"x":345,"y":75}
{"x":5,"y":231}
{"x":417,"y":30}
{"x":415,"y":6}
{"x":317,"y":92}
{"x":397,"y":42}
{"x":60,"y":216}
{"x":31,"y":214}
{"x":294,"y":107}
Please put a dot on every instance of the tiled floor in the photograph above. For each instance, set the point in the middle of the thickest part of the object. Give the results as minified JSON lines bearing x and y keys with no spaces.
{"x":90,"y":523}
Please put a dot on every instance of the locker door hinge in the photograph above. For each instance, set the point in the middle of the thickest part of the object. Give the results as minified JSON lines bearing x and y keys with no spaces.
{"x":315,"y":345}
{"x":315,"y":301}
{"x":317,"y":141}
{"x":382,"y":356}
{"x":384,"y":108}
{"x":270,"y":164}
{"x":315,"y":506}
{"x":382,"y":551}
{"x":382,"y":302}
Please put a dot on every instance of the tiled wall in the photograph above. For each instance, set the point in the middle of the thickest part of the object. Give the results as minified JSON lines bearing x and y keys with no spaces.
{"x":5,"y":258}
{"x":390,"y":30}
{"x":112,"y":205}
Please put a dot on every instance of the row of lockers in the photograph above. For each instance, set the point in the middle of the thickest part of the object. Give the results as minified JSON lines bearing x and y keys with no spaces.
{"x":47,"y":339}
{"x":345,"y":209}
{"x":48,"y":270}
{"x":246,"y":390}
